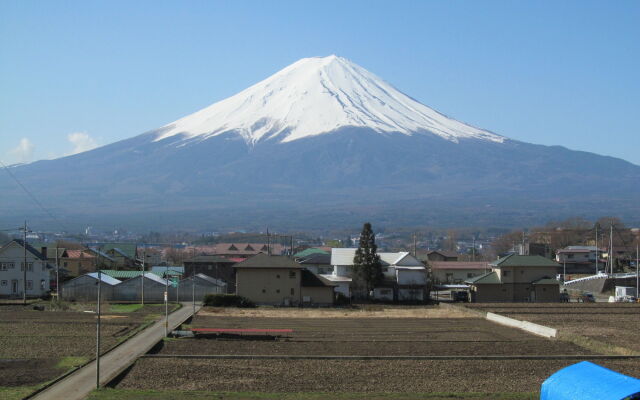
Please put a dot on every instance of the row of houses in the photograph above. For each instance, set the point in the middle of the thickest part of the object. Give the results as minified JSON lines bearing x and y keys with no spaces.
{"x":314,"y":276}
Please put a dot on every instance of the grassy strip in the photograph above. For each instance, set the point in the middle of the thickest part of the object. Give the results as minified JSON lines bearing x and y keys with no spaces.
{"x":596,"y":346}
{"x":71,"y":362}
{"x":125,"y":308}
{"x":15,"y":393}
{"x":111,"y":394}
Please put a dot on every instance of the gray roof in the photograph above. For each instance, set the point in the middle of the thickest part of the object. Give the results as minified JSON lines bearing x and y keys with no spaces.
{"x":104,"y":278}
{"x":29,"y":248}
{"x":208,"y":259}
{"x":211,"y":280}
{"x":266,"y":261}
{"x":513,"y":260}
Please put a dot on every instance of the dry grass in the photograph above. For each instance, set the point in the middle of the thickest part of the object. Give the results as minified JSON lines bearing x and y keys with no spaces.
{"x":373,"y":311}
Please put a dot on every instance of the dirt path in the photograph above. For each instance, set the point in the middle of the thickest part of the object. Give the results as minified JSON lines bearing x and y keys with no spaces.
{"x":79,"y":384}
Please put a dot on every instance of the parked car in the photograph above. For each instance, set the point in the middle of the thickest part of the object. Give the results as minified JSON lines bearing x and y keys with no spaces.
{"x":460,"y":295}
{"x":587,"y":298}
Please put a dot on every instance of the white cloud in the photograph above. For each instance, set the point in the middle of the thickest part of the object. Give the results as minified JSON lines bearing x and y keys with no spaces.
{"x":24,"y":151}
{"x":81,"y":142}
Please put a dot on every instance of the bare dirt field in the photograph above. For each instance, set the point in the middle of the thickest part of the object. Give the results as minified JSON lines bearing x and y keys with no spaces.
{"x":36,"y":346}
{"x":399,"y":376}
{"x":616,"y":324}
{"x":371,"y":336}
{"x":411,"y":332}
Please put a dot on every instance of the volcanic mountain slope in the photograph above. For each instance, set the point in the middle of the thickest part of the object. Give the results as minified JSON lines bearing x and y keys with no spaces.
{"x":324,"y":141}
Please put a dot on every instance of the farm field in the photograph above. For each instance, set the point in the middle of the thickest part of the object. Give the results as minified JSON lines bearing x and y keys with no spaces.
{"x":421,"y":332}
{"x":371,"y":337}
{"x":615,"y":324}
{"x":37,"y":346}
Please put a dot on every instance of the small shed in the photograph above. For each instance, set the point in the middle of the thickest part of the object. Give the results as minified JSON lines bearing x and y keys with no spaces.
{"x":85,"y":287}
{"x":154,"y":288}
{"x":200,"y":285}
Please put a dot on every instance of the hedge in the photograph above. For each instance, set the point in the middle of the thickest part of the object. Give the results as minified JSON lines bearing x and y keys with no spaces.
{"x":227,"y":300}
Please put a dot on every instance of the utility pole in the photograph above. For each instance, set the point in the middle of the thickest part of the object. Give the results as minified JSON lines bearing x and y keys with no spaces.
{"x":637,"y":273}
{"x":166,"y":304}
{"x":415,"y":251}
{"x":564,"y":271}
{"x":193,"y":292}
{"x":268,"y":243}
{"x":473,"y":250}
{"x":597,"y":252}
{"x":98,"y":330}
{"x":144,"y":258}
{"x":24,"y":280}
{"x":57,"y":274}
{"x":611,"y":248}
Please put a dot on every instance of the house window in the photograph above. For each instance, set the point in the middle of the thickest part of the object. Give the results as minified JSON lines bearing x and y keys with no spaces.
{"x":277,"y":290}
{"x":264,"y":291}
{"x":292,"y":274}
{"x":42,"y":284}
{"x":29,"y":266}
{"x":293,"y":291}
{"x":11,"y":265}
{"x":278,"y":276}
{"x":470,"y":275}
{"x":29,"y":285}
{"x":505,"y":273}
{"x":4,"y":283}
{"x":3,"y":266}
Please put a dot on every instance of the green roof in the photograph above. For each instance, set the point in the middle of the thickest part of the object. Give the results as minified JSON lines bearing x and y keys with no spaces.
{"x":127,"y":248}
{"x":514,"y":260}
{"x":489,"y":277}
{"x":122,"y":274}
{"x":310,"y":251}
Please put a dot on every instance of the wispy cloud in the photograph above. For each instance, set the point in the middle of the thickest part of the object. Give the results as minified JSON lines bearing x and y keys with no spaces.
{"x":81,"y":141}
{"x":24,"y":152}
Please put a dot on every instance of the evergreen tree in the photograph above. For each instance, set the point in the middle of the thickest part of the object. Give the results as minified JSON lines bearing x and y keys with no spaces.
{"x":367,"y":268}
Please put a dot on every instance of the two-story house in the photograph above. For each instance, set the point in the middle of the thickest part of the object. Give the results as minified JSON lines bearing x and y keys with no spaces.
{"x":12,"y":270}
{"x":580,"y":259}
{"x":405,"y":276}
{"x":279,"y":280}
{"x":516,"y":278}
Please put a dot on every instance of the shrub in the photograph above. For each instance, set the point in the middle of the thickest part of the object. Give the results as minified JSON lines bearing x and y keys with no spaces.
{"x":342,"y":300}
{"x":227,"y":300}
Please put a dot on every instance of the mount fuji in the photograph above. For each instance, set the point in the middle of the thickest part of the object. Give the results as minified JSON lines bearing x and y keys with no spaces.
{"x":323,"y":143}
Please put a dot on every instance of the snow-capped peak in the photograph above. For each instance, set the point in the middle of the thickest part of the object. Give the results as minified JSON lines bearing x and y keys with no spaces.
{"x":318,"y":95}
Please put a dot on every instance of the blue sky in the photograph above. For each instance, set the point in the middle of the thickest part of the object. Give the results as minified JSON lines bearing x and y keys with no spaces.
{"x":77,"y":74}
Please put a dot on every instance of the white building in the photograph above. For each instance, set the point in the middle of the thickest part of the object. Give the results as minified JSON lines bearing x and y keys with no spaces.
{"x":12,"y":264}
{"x":404,"y":275}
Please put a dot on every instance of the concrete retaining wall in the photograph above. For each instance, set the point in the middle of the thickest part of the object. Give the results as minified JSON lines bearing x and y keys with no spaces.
{"x":536,"y":329}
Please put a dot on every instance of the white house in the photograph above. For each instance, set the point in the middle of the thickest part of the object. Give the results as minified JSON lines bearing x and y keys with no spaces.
{"x":404,"y":275}
{"x":12,"y":264}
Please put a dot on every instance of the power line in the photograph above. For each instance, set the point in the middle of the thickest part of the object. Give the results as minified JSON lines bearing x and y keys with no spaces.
{"x":33,"y":198}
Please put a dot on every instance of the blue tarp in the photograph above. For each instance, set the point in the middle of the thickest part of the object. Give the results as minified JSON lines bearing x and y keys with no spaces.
{"x":588,"y":381}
